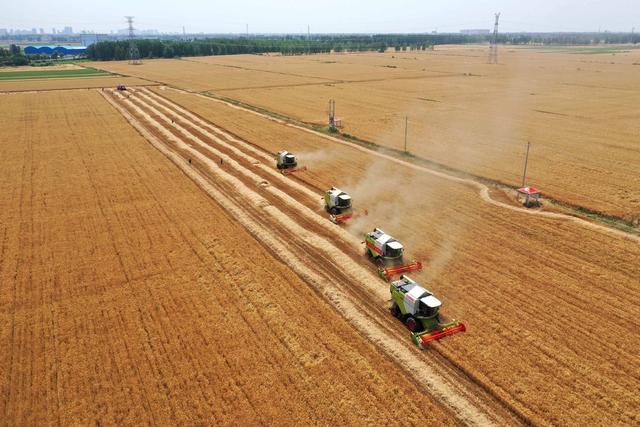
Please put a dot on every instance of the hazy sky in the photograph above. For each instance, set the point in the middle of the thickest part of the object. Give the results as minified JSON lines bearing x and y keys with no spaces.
{"x":324,"y":16}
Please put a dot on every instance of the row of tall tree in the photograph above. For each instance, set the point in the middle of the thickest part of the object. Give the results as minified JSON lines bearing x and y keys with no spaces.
{"x":12,"y":56}
{"x":296,"y":44}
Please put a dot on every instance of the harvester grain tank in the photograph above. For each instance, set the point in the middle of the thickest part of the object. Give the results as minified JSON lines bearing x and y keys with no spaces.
{"x":288,"y":163}
{"x":338,"y":204}
{"x":419,"y":310}
{"x":388,"y":254}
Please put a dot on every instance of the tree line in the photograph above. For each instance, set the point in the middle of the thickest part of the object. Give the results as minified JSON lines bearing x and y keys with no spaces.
{"x":12,"y":56}
{"x":298,"y":45}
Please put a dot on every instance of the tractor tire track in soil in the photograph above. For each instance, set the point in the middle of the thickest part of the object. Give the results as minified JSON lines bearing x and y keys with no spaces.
{"x":491,"y":264}
{"x":269,"y":212}
{"x":202,"y":331}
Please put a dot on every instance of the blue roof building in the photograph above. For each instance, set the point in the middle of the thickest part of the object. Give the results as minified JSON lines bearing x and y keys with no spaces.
{"x":50,"y":49}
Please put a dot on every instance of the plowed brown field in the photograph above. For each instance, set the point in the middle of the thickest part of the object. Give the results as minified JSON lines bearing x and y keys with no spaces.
{"x":552,"y":305}
{"x":128,"y":296}
{"x":577,"y":109}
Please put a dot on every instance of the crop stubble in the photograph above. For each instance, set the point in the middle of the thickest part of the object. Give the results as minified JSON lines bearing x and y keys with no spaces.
{"x":557,"y":300}
{"x":69,"y":83}
{"x":578,"y":110}
{"x":128,"y":296}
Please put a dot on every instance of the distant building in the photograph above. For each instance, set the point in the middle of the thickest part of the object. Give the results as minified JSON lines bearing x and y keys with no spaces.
{"x":3,"y":32}
{"x":67,"y":30}
{"x":49,"y":50}
{"x":89,"y":39}
{"x":475,"y":32}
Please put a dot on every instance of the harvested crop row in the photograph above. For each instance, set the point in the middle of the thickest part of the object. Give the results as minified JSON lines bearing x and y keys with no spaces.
{"x":112,"y":308}
{"x":252,"y":197}
{"x":517,"y":280}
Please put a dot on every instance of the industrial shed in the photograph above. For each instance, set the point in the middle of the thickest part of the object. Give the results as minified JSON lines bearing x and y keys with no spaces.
{"x":49,"y":50}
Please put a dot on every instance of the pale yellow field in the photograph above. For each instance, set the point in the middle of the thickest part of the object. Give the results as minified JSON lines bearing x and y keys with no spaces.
{"x":197,"y":76}
{"x":577,"y":110}
{"x":130,"y":297}
{"x":69,"y":83}
{"x":57,"y":67}
{"x":517,"y":278}
{"x":155,"y":267}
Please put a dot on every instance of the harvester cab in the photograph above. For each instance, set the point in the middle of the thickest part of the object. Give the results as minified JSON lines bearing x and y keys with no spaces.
{"x":419,"y":310}
{"x":287,"y":163}
{"x":286,"y":160}
{"x":337,"y":201}
{"x":338,"y":204}
{"x":388,"y":254}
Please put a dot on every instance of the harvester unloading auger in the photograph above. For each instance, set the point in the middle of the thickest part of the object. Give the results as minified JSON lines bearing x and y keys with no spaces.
{"x":388,"y":254}
{"x":338,"y":204}
{"x":287,"y":163}
{"x":419,"y":311}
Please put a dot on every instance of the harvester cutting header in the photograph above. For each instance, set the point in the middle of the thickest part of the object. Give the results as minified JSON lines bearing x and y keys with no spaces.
{"x":388,"y":254}
{"x":338,"y":204}
{"x":287,"y":163}
{"x":419,"y":311}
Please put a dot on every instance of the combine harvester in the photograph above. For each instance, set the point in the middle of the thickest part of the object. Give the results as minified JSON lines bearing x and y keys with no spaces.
{"x":419,"y":311}
{"x":387,"y":253}
{"x":338,"y":204}
{"x":287,"y":163}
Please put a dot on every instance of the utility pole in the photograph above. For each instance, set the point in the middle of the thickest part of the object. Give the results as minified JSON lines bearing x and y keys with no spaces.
{"x":406,"y":125}
{"x":332,"y":115}
{"x":184,"y":33}
{"x":526,"y":161}
{"x":247,"y":30}
{"x":493,"y":49}
{"x":134,"y":54}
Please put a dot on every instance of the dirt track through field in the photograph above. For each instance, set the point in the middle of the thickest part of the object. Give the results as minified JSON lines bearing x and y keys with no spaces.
{"x":325,"y":266}
{"x":129,"y":296}
{"x":483,"y":189}
{"x":576,"y":109}
{"x":495,"y":269}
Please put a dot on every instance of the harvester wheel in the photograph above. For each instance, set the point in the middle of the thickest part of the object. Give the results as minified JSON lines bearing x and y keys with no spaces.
{"x":379,"y":262}
{"x":395,"y":310}
{"x":333,"y":211}
{"x":412,"y":324}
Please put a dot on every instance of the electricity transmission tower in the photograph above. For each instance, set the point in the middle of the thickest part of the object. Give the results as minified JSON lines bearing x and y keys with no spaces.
{"x":493,"y":49}
{"x":134,"y":54}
